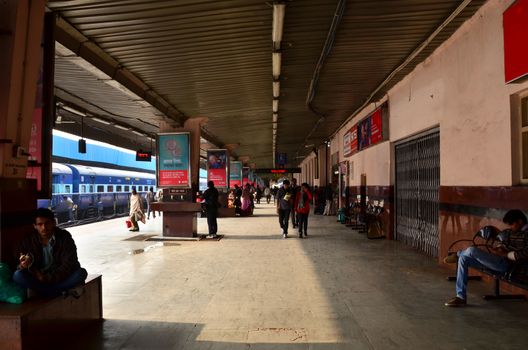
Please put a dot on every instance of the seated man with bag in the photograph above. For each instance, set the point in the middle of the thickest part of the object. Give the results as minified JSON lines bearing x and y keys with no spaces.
{"x":48,"y":261}
{"x":513,"y":247}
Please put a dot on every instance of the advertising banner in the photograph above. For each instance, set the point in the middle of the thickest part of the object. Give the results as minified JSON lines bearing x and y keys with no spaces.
{"x":376,"y":129}
{"x":245,"y":176}
{"x":235,"y":174}
{"x":217,"y":167}
{"x":174,"y":167}
{"x":363,"y":134}
{"x":350,"y":142}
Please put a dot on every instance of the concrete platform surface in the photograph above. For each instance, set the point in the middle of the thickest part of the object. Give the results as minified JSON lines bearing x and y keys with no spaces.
{"x":255,"y":290}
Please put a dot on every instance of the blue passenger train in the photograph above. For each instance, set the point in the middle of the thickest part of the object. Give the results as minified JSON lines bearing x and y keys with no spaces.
{"x":95,"y":192}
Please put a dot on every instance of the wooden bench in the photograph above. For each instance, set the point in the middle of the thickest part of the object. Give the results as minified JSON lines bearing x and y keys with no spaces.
{"x":22,"y":325}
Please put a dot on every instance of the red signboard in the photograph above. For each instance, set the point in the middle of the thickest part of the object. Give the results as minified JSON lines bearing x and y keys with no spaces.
{"x":350,"y":142}
{"x":376,"y":134}
{"x":515,"y":20}
{"x":173,"y":178}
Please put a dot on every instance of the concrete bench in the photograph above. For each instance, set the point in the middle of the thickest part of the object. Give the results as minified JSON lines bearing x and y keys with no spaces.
{"x":21,"y":325}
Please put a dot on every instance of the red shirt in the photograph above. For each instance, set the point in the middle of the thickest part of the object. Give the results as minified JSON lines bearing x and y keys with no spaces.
{"x":307,"y":198}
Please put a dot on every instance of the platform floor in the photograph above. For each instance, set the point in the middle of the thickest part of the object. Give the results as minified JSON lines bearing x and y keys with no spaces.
{"x":254,"y":290}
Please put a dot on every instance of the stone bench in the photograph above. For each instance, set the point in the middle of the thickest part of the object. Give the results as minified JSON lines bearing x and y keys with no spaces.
{"x":22,"y":326}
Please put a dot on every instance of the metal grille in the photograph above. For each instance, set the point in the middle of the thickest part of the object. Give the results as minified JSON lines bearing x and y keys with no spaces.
{"x":417,"y":184}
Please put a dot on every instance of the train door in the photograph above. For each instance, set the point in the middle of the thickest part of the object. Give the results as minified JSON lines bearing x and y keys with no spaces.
{"x":417,"y":185}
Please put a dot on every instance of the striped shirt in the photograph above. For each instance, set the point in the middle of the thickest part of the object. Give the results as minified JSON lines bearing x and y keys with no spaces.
{"x":516,"y":242}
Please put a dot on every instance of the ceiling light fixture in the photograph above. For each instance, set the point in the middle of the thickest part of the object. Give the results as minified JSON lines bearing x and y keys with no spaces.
{"x":101,"y":121}
{"x":138,"y":133}
{"x":278,"y":24}
{"x":73,"y":110}
{"x":276,"y":64}
{"x":275,"y":118}
{"x":121,"y":127}
{"x":276,"y":88}
{"x":275,"y":105}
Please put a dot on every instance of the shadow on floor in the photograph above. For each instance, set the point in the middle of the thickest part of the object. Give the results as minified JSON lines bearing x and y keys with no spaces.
{"x":131,"y":334}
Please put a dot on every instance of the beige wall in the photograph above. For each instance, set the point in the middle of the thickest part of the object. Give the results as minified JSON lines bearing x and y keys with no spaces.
{"x":460,"y":88}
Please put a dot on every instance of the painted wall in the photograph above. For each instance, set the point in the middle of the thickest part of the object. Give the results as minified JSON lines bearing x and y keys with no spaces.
{"x":461,"y":88}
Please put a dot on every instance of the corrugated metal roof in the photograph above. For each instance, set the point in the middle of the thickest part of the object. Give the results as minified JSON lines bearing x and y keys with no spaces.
{"x":213,"y":58}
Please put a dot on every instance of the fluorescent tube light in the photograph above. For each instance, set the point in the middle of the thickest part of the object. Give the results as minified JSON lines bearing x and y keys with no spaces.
{"x":275,"y":117}
{"x":276,"y":64}
{"x":121,"y":127}
{"x":138,"y":133}
{"x":276,"y":88}
{"x":74,"y":111}
{"x":101,"y":121}
{"x":275,"y":106}
{"x":278,"y":24}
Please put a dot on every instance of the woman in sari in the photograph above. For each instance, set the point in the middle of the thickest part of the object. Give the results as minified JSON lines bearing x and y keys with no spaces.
{"x":246,"y":209}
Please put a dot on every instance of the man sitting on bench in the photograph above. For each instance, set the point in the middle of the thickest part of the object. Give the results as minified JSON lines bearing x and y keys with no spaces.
{"x":513,"y":248}
{"x":48,"y":261}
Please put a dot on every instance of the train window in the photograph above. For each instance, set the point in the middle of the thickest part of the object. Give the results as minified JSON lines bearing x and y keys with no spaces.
{"x":100,"y":188}
{"x":119,"y":188}
{"x":140,"y":188}
{"x":110,"y":188}
{"x":127,"y":188}
{"x":67,"y":188}
{"x":91,"y":188}
{"x":83,"y":188}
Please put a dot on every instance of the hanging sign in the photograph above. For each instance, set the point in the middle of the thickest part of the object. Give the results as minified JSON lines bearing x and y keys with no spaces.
{"x":173,"y":161}
{"x":217,"y":167}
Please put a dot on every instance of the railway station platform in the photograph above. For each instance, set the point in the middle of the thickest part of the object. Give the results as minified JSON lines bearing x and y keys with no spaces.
{"x":254,"y":290}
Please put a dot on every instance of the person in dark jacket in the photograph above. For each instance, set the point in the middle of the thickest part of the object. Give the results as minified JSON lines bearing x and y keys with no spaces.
{"x":210,"y":197}
{"x":48,"y":261}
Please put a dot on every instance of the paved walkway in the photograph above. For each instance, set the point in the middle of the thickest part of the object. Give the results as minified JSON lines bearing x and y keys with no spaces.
{"x":254,"y":290}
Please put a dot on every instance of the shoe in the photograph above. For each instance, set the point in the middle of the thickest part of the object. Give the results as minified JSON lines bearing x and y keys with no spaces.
{"x":284,"y":235}
{"x":451,"y":259}
{"x":305,"y":234}
{"x":212,"y":236}
{"x":456,"y":301}
{"x":300,"y":234}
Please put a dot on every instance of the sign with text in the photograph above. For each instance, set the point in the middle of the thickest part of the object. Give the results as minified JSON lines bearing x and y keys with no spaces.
{"x":143,"y":156}
{"x":350,"y":142}
{"x":376,"y":130}
{"x":217,"y":167}
{"x":515,"y":19}
{"x":235,"y":174}
{"x":174,"y":167}
{"x":363,"y":133}
{"x":277,"y":170}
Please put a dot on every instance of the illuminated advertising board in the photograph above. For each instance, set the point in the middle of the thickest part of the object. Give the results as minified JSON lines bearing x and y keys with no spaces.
{"x":245,"y":176}
{"x":174,"y":154}
{"x":235,"y":174}
{"x":217,"y":167}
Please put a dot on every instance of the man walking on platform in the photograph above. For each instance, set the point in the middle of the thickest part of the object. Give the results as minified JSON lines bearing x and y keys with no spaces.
{"x":284,"y":204}
{"x":294,"y":189}
{"x":210,"y":197}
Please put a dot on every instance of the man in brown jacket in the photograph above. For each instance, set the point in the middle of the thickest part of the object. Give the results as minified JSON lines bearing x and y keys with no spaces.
{"x":48,"y":261}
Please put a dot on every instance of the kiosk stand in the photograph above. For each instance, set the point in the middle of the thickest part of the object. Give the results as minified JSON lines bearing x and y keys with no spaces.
{"x":178,"y":203}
